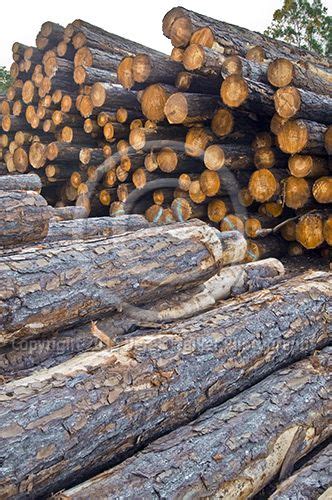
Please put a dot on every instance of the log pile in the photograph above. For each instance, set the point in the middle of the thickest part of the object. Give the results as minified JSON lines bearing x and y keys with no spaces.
{"x":152,"y":345}
{"x":233,"y":128}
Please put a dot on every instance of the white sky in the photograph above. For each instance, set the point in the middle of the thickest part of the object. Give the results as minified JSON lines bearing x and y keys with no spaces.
{"x":139,"y":20}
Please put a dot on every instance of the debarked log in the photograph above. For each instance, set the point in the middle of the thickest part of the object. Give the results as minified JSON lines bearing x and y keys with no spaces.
{"x":231,"y":451}
{"x":61,"y":285}
{"x":99,"y":406}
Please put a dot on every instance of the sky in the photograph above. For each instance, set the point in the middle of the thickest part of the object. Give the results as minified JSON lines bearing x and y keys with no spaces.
{"x":136,"y":20}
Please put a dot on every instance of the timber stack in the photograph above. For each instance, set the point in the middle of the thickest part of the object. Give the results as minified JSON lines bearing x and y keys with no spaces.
{"x":152,"y":345}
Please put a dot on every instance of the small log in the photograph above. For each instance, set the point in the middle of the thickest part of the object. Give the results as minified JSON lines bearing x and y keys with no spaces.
{"x":24,"y":217}
{"x":68,"y":213}
{"x":262,"y":248}
{"x":112,"y":97}
{"x":90,"y":75}
{"x":199,"y":464}
{"x":189,"y":108}
{"x":301,"y":300}
{"x":310,"y":230}
{"x":27,"y":182}
{"x":307,"y":166}
{"x":236,"y":91}
{"x":312,"y":480}
{"x":201,"y":84}
{"x":322,"y":190}
{"x":67,"y":309}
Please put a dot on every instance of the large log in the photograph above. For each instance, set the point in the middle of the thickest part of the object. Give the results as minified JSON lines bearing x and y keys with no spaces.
{"x":100,"y":276}
{"x":183,"y":26}
{"x":24,"y":218}
{"x":99,"y":406}
{"x":22,"y":358}
{"x":26,"y":182}
{"x":231,"y":451}
{"x":312,"y":480}
{"x":188,"y":108}
{"x":236,"y":91}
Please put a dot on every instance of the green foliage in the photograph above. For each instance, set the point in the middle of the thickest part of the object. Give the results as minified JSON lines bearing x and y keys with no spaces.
{"x":303,"y":23}
{"x":5,"y":79}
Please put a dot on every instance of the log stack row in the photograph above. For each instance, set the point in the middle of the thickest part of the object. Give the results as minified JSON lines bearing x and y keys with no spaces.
{"x":144,"y":355}
{"x":233,"y":128}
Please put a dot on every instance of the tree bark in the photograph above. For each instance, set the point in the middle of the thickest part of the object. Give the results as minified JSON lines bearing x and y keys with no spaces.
{"x":233,"y":450}
{"x":90,"y":75}
{"x":180,"y":24}
{"x":312,"y":480}
{"x":84,"y":229}
{"x":96,"y":273}
{"x":303,"y":136}
{"x":189,"y":108}
{"x":68,"y":213}
{"x":201,"y":84}
{"x":236,"y":91}
{"x":26,"y":182}
{"x":24,"y":217}
{"x":291,"y":102}
{"x":123,"y":398}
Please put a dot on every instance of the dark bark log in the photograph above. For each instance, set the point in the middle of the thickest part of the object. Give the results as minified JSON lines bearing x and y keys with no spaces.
{"x":24,"y":217}
{"x":27,"y":182}
{"x":90,"y":75}
{"x":233,"y":450}
{"x":112,"y":97}
{"x":179,"y":24}
{"x":279,"y":73}
{"x":201,"y":84}
{"x":253,"y":96}
{"x":84,"y":33}
{"x":107,"y":61}
{"x":291,"y":103}
{"x":62,"y":152}
{"x":189,"y":108}
{"x":311,"y":481}
{"x":302,"y":136}
{"x":203,"y":60}
{"x":96,"y":272}
{"x":124,"y":399}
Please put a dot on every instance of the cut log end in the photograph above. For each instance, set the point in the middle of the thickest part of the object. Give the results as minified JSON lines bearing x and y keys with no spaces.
{"x":234,"y":91}
{"x":292,"y":137}
{"x":210,"y":182}
{"x":222,"y":123}
{"x":287,"y":102}
{"x":280,"y":72}
{"x":256,"y":54}
{"x":262,"y":185}
{"x":321,"y":190}
{"x":193,"y":57}
{"x":125,"y":73}
{"x":309,"y":231}
{"x":214,"y":157}
{"x":296,"y":192}
{"x":153,"y":102}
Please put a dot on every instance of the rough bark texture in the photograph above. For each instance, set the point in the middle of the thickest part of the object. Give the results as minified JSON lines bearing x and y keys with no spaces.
{"x":65,"y":284}
{"x":310,"y":106}
{"x":231,"y":451}
{"x":26,"y":182}
{"x":22,"y":358}
{"x":259,"y":98}
{"x":310,"y":481}
{"x":83,"y":229}
{"x":24,"y":217}
{"x":69,"y":421}
{"x":236,"y":39}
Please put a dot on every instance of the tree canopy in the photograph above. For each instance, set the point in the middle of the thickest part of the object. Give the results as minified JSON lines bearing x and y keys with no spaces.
{"x":5,"y":79}
{"x":303,"y":23}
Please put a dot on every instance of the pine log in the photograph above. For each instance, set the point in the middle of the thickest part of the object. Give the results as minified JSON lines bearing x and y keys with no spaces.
{"x":262,"y":248}
{"x":201,"y":84}
{"x":88,"y":57}
{"x":68,"y":213}
{"x":203,"y":60}
{"x":84,"y":33}
{"x":153,"y":100}
{"x":182,"y":384}
{"x":280,"y":73}
{"x":27,"y":182}
{"x":104,"y":290}
{"x":188,"y":108}
{"x":303,"y":136}
{"x":90,"y":75}
{"x":291,"y":102}
{"x":236,"y":91}
{"x":112,"y":97}
{"x":182,"y":26}
{"x":24,"y":218}
{"x":233,"y":450}
{"x":312,"y":480}
{"x":150,"y":68}
{"x":307,"y":166}
{"x":322,"y":190}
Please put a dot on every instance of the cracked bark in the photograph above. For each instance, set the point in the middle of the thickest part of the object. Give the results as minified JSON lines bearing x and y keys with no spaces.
{"x":231,"y":451}
{"x":63,"y":424}
{"x":68,"y":283}
{"x":312,"y":480}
